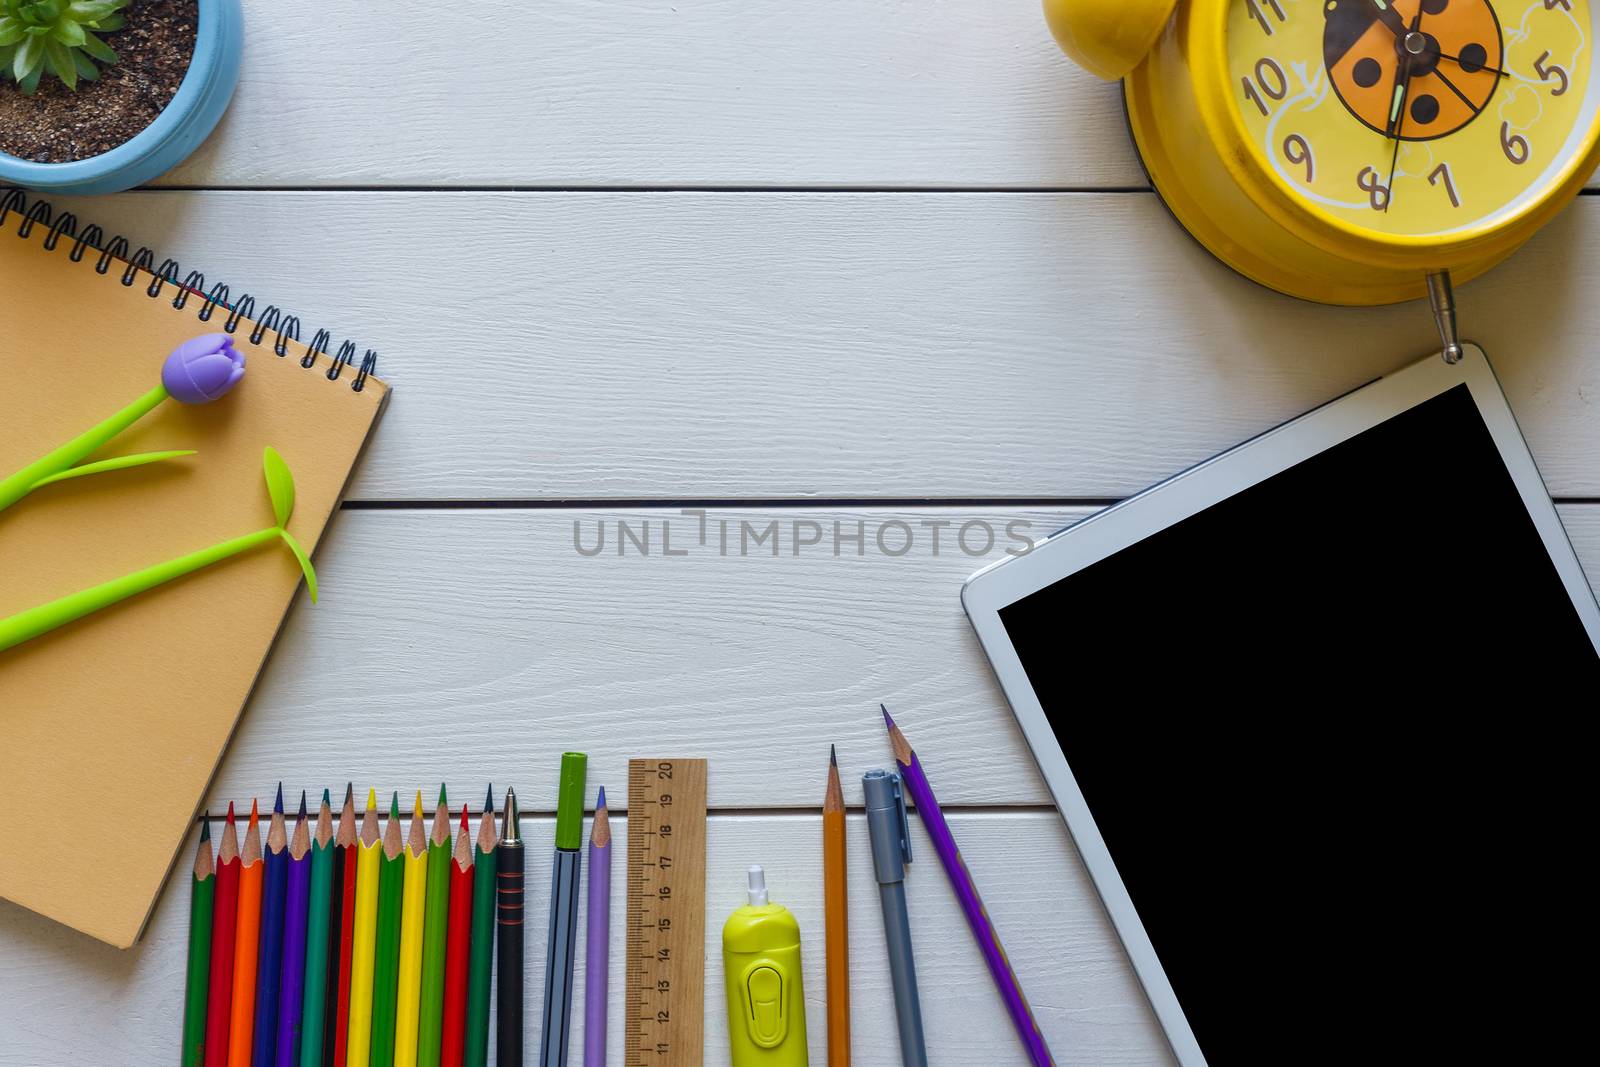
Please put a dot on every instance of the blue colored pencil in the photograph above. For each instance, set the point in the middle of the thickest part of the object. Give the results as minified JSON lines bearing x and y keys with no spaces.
{"x":269,"y":961}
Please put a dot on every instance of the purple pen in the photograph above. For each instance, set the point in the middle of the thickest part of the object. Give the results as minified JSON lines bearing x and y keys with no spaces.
{"x":916,"y":783}
{"x":597,"y":951}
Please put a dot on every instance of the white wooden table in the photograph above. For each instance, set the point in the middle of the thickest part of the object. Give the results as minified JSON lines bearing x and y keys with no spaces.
{"x":813,"y":263}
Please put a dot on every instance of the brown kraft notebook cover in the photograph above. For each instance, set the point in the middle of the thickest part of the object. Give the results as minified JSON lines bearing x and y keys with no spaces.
{"x":132,"y":706}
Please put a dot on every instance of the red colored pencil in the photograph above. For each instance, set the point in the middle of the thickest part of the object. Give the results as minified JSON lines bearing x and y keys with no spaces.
{"x":458,"y":945}
{"x":347,"y":926}
{"x":224,"y":916}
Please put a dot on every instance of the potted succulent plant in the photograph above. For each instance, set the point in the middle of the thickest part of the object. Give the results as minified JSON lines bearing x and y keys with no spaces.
{"x":97,"y":96}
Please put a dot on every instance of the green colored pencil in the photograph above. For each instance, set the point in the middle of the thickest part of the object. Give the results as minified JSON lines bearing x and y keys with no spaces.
{"x":435,"y":928}
{"x":386,"y":958}
{"x":202,"y":897}
{"x":311,"y":1025}
{"x":481,"y":957}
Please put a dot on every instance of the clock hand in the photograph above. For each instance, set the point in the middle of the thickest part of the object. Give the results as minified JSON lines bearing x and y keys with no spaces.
{"x":1397,"y":113}
{"x":1389,"y":17}
{"x":1482,"y":66}
{"x":1448,"y":84}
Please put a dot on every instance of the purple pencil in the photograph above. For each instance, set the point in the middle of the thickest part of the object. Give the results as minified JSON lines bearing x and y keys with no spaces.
{"x":292,"y":983}
{"x":597,"y":943}
{"x":967,"y":893}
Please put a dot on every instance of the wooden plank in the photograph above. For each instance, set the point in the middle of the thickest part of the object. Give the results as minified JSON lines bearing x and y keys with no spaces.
{"x":1073,"y":968}
{"x":784,"y":345}
{"x":644,"y":92}
{"x":487,"y":628}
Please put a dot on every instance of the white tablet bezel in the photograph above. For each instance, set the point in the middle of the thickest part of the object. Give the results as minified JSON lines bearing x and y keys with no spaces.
{"x":1216,"y":479}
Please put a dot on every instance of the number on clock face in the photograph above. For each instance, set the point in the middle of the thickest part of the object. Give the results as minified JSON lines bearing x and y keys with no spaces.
{"x":1411,"y":116}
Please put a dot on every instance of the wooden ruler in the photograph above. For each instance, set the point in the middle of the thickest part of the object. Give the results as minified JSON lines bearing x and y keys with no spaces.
{"x":664,"y":1020}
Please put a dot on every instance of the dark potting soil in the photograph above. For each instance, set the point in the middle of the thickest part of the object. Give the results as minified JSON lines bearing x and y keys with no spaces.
{"x":58,"y":125}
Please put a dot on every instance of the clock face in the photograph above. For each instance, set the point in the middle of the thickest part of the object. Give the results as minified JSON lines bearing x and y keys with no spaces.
{"x":1413,"y":117}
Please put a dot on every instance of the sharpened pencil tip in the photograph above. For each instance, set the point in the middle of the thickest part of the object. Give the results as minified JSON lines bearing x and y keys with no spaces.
{"x":464,"y":813}
{"x":416,"y":809}
{"x":601,"y":802}
{"x":833,"y":756}
{"x":372,"y":797}
{"x":255,"y":812}
{"x":205,"y":827}
{"x":887,"y":721}
{"x":302,"y":803}
{"x":230,"y":811}
{"x":442,"y":801}
{"x":349,"y":792}
{"x":488,"y":799}
{"x":325,"y":798}
{"x":277,"y":805}
{"x":394,"y":805}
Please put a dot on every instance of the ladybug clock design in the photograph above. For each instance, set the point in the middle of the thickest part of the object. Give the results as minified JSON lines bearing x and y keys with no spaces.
{"x":1353,"y":151}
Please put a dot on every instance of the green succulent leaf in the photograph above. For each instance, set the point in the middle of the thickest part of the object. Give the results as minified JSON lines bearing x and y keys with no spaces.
{"x":68,"y":33}
{"x":54,"y":36}
{"x":61,"y":63}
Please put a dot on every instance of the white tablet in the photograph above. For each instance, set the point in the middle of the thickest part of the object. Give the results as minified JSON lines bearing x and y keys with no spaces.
{"x":1315,"y":713}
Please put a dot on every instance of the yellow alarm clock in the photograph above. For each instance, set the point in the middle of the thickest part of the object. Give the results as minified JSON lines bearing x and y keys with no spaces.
{"x":1353,"y":151}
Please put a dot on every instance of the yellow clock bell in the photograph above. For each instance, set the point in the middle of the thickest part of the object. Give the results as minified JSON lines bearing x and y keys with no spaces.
{"x":1352,"y":151}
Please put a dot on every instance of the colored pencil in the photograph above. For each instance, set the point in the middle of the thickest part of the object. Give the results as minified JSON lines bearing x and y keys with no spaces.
{"x":197,"y":975}
{"x":458,"y":950}
{"x":836,"y":930}
{"x":246,"y":945}
{"x":269,"y":961}
{"x":435,"y":931}
{"x":224,"y":923}
{"x":508,"y":918}
{"x":319,"y":916}
{"x":386,"y":960}
{"x":413,"y":927}
{"x":597,"y":938}
{"x":481,"y":957}
{"x":364,"y":936}
{"x":955,"y":869}
{"x":336,"y":1038}
{"x":296,"y":918}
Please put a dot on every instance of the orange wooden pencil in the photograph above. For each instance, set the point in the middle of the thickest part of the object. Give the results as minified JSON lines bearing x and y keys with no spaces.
{"x":836,"y":932}
{"x":224,"y":917}
{"x":246,"y":944}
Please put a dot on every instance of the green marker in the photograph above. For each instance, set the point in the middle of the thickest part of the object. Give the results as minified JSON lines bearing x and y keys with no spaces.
{"x":563,"y":912}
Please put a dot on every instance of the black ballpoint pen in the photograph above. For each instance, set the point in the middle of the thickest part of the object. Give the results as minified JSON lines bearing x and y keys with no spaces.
{"x":508,"y":921}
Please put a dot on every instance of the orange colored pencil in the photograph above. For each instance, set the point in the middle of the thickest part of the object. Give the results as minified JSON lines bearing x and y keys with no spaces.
{"x":836,"y":931}
{"x":246,"y":943}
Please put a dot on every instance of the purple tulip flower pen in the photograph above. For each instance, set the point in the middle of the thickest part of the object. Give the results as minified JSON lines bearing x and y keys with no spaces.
{"x":197,"y":372}
{"x":26,"y":625}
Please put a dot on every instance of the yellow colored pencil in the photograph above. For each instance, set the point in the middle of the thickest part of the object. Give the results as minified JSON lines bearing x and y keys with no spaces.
{"x":364,"y":938}
{"x":413,"y":911}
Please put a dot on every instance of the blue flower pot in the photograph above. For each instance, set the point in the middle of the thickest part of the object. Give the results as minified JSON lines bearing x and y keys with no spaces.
{"x":185,"y":122}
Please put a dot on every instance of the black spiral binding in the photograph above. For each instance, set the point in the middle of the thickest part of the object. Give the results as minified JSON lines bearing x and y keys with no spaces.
{"x":191,"y":289}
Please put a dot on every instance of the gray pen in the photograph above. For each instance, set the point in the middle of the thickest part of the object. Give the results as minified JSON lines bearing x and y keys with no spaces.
{"x":890,"y":831}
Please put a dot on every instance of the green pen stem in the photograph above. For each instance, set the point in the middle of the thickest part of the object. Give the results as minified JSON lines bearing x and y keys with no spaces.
{"x":76,"y":450}
{"x":29,"y":624}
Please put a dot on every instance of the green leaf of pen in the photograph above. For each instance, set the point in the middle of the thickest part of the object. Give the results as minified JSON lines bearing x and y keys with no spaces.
{"x":116,"y":464}
{"x":29,"y":624}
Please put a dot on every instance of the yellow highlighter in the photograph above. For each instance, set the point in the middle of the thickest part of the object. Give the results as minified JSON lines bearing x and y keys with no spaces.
{"x":766,"y":1002}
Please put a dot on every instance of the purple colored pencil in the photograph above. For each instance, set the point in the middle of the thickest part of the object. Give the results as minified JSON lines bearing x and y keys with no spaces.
{"x":944,"y":843}
{"x":597,"y":942}
{"x":296,"y":904}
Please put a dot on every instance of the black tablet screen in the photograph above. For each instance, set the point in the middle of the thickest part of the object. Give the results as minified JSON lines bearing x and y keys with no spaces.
{"x":1332,"y":731}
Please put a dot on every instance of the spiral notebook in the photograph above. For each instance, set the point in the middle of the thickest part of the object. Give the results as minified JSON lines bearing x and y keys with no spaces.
{"x":128,"y":710}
